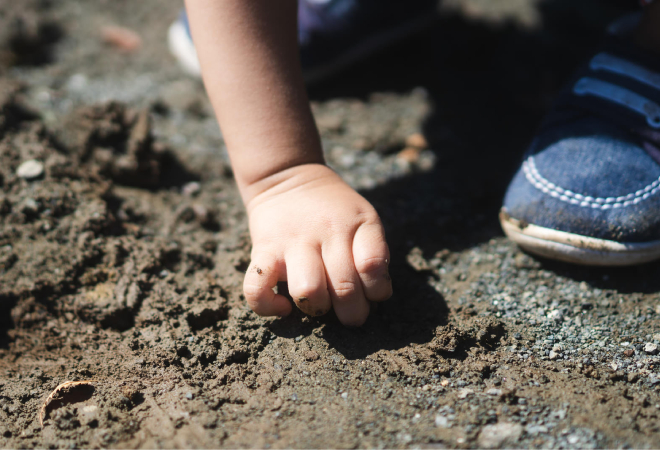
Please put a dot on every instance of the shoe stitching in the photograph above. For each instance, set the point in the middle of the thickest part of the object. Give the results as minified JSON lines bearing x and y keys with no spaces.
{"x":604,"y":203}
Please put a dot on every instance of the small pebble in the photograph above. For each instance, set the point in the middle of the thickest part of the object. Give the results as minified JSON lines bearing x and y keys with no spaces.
{"x":465,"y":393}
{"x":189,"y":395}
{"x":30,"y":170}
{"x":30,"y":206}
{"x":442,"y":422}
{"x":77,"y":82}
{"x":201,"y":213}
{"x":651,"y":348}
{"x":344,"y":395}
{"x":191,"y":188}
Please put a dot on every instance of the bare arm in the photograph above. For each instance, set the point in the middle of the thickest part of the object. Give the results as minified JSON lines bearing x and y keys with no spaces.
{"x":249,"y":56}
{"x":308,"y":227}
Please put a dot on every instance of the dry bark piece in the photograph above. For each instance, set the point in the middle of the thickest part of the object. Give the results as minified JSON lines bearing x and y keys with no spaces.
{"x":123,"y":38}
{"x":58,"y":394}
{"x":409,"y":154}
{"x":417,"y":140}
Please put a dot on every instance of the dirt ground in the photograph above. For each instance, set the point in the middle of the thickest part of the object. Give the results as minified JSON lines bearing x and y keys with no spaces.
{"x":122,"y":254}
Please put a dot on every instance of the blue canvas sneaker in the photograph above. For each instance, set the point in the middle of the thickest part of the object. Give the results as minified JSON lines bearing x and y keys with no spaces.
{"x":588,"y":191}
{"x":333,"y":34}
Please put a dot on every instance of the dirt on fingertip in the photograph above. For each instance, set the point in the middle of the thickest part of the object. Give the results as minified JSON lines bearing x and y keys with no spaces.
{"x":123,"y":245}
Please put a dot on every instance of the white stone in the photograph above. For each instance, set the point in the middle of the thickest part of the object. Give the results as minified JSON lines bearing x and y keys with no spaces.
{"x":465,"y":393}
{"x":77,"y":82}
{"x":442,"y":422}
{"x":651,"y":348}
{"x":30,"y":169}
{"x":494,"y":436}
{"x":191,"y":188}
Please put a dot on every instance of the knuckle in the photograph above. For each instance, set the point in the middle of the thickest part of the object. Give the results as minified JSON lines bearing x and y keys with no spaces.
{"x":369,"y":216}
{"x":374,"y":265}
{"x":344,"y":290}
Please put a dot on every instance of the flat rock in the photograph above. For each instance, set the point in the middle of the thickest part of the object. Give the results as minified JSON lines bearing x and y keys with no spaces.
{"x":30,"y":169}
{"x":495,"y":436}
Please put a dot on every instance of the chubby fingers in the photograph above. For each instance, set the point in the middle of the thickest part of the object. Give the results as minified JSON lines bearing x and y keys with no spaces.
{"x":344,"y":284}
{"x":371,"y":256}
{"x":260,"y":278}
{"x":307,"y":280}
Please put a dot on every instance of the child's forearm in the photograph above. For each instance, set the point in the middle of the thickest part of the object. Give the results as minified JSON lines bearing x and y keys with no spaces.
{"x":248,"y":51}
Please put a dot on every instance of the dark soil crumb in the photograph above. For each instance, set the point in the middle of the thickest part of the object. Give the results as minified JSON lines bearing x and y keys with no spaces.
{"x":123,"y":250}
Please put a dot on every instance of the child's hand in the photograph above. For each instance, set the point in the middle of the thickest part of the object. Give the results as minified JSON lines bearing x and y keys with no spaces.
{"x":308,"y":227}
{"x":311,"y":229}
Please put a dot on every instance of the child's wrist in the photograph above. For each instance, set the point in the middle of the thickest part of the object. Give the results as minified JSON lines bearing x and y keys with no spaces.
{"x":287,"y":178}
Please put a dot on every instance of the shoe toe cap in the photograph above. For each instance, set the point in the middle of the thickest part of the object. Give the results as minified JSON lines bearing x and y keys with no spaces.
{"x":594,"y":185}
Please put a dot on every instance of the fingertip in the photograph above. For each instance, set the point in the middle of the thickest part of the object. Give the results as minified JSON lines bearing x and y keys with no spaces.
{"x":372,"y":257}
{"x":260,"y":279}
{"x":277,"y":305}
{"x":307,"y":280}
{"x":282,"y":306}
{"x":355,"y":316}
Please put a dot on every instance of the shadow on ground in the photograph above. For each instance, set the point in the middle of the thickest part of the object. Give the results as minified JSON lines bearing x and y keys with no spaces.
{"x":410,"y":316}
{"x":490,"y":84}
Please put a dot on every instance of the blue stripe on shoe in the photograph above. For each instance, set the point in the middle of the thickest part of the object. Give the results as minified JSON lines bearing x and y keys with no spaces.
{"x":623,"y":67}
{"x":621,"y":85}
{"x":621,"y":96}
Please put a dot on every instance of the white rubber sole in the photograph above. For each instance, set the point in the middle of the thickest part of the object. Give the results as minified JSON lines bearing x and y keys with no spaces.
{"x":577,"y":249}
{"x":182,"y":48}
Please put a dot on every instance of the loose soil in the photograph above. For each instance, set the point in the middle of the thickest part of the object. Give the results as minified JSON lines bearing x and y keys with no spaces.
{"x":122,"y":262}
